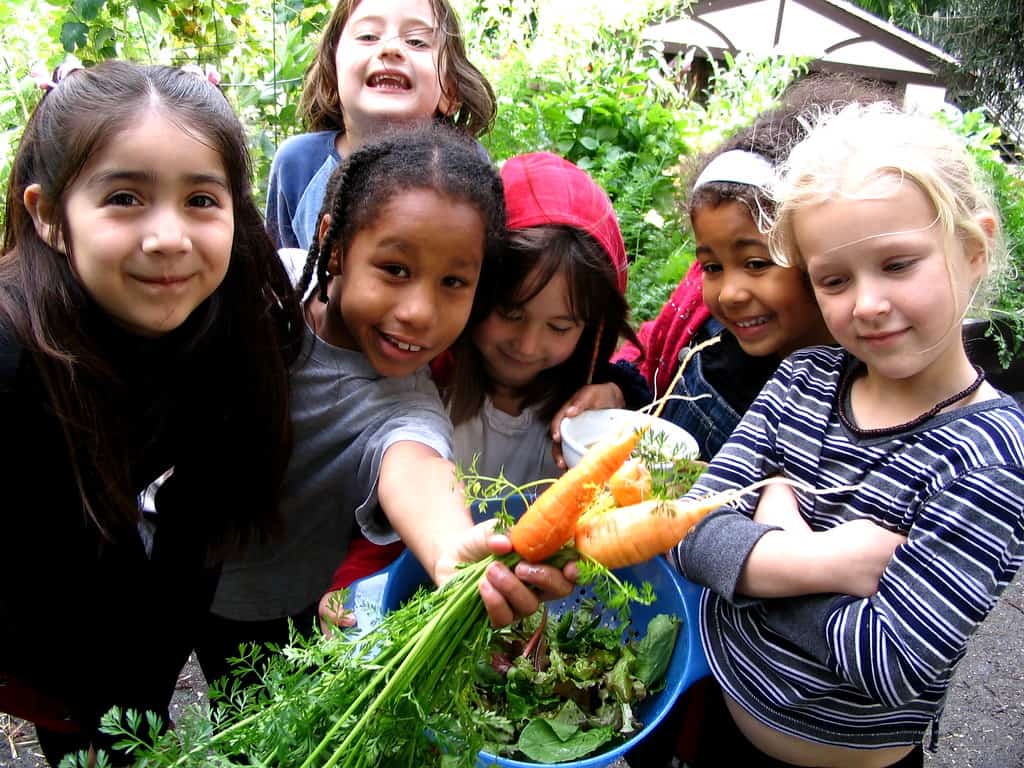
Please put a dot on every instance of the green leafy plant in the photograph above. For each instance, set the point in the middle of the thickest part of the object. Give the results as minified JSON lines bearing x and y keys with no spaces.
{"x":563,"y":687}
{"x":1005,"y":307}
{"x":390,"y":695}
{"x":612,"y":111}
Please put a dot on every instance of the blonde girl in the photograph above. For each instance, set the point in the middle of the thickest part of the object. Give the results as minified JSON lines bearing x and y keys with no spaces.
{"x":834,"y":623}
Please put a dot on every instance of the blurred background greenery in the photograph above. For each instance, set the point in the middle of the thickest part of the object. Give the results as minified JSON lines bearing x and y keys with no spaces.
{"x":575,"y":77}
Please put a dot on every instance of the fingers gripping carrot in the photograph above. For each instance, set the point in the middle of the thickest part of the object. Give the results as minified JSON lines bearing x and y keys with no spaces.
{"x":551,"y":519}
{"x":631,"y":483}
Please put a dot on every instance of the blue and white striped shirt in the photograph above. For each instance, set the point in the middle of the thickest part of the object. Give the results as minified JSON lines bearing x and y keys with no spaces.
{"x":860,"y":672}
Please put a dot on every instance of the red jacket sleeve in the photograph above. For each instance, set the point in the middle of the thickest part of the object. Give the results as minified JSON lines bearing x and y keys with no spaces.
{"x":673,"y":328}
{"x":363,"y":559}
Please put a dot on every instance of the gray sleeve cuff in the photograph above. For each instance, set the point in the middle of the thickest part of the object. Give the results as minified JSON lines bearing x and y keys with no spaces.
{"x":715,"y":551}
{"x":802,"y":620}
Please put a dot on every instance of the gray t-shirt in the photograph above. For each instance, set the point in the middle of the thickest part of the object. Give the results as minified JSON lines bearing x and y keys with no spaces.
{"x":345,"y":416}
{"x":519,"y":446}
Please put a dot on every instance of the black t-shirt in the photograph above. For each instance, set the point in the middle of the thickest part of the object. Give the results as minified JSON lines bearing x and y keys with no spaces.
{"x":92,"y":620}
{"x":735,"y":375}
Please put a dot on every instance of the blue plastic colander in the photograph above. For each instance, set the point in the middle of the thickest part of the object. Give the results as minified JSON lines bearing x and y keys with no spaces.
{"x":386,"y":590}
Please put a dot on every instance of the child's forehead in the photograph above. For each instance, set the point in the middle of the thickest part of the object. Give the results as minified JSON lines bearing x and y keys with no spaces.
{"x":536,"y":280}
{"x":132,"y":150}
{"x":728,"y":218}
{"x":401,"y":201}
{"x":429,"y":217}
{"x":419,"y":12}
{"x":554,"y":299}
{"x":877,"y":217}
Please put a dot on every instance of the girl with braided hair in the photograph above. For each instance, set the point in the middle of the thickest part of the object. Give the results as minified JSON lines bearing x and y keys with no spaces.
{"x":404,"y":257}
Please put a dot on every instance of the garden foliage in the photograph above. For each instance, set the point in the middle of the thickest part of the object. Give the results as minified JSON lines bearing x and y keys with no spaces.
{"x":574,"y":77}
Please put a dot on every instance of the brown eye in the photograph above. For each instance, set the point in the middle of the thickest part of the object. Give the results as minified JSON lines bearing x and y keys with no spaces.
{"x":123,"y":199}
{"x":453,"y":281}
{"x":203,"y":201}
{"x":395,"y":270}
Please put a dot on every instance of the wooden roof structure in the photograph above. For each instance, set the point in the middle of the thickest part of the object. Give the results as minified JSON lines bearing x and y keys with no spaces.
{"x":836,"y":34}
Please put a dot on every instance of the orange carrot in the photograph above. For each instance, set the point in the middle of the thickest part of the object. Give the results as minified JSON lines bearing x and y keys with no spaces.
{"x":630,"y":535}
{"x":625,"y":536}
{"x":550,"y":520}
{"x":631,"y":483}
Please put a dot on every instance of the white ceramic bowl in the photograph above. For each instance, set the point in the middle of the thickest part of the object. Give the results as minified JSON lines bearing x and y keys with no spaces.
{"x":582,"y":431}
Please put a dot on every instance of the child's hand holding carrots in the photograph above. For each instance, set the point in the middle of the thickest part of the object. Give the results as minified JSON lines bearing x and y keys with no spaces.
{"x":506,"y":594}
{"x":425,"y":505}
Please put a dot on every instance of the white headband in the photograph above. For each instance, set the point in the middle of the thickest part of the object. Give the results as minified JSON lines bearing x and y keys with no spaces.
{"x":738,"y":167}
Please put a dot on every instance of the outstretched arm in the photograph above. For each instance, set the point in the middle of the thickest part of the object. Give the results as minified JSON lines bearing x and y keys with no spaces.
{"x":424,"y":503}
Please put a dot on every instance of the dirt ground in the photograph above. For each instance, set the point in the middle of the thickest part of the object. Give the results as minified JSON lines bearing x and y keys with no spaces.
{"x":983,"y":725}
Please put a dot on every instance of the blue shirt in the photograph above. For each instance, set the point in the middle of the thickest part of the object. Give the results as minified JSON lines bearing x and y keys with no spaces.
{"x":298,"y":182}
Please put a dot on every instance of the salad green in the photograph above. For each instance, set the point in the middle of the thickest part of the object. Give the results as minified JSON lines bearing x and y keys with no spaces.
{"x":558,"y":689}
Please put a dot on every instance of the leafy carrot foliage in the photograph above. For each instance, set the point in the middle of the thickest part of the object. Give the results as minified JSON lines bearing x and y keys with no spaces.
{"x":396,"y":694}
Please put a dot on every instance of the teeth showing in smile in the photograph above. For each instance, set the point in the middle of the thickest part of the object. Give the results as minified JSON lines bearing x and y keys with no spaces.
{"x":406,"y":347}
{"x":751,"y":323}
{"x":389,"y":82}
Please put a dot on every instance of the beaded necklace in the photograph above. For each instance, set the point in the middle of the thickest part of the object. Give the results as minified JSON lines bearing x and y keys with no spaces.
{"x":846,"y":389}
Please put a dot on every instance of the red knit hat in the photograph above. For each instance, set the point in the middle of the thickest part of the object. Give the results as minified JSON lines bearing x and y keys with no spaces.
{"x":542,"y":188}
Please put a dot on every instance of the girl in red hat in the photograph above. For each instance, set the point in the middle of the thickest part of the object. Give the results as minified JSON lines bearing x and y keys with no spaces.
{"x":557,"y":322}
